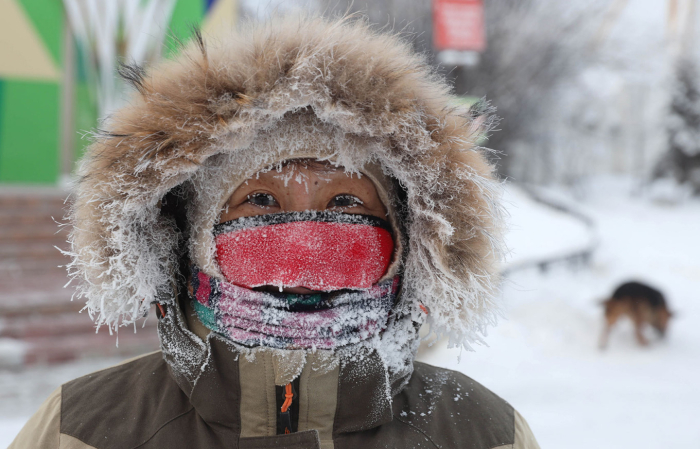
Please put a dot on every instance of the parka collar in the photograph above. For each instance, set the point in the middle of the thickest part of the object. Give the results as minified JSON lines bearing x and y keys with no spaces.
{"x":208,"y":373}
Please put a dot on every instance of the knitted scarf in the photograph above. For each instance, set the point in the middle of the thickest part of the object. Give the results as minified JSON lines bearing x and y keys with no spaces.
{"x":324,"y":320}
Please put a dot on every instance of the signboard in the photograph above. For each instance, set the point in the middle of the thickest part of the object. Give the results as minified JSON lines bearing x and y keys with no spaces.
{"x":458,"y":25}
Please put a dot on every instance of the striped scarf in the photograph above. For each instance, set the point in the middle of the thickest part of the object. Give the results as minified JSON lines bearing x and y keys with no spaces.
{"x":291,"y":321}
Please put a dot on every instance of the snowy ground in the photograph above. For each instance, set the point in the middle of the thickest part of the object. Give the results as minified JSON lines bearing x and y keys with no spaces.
{"x":537,"y":233}
{"x":544,"y":357}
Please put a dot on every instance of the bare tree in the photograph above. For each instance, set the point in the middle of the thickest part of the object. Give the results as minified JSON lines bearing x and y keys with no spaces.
{"x":412,"y":17}
{"x":533,"y":47}
{"x":682,"y":160}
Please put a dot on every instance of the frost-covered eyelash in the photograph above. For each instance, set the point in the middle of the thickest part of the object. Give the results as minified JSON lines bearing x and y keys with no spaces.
{"x":352,"y":197}
{"x":253,"y":195}
{"x":356,"y":201}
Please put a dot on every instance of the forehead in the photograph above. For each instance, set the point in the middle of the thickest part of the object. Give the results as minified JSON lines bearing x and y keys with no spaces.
{"x":311,"y":165}
{"x":302,"y":170}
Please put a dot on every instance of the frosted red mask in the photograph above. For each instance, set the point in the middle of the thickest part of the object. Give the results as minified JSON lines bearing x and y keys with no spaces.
{"x":321,"y":251}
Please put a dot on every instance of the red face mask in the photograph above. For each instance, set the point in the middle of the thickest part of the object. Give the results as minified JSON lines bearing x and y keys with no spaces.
{"x":321,"y":251}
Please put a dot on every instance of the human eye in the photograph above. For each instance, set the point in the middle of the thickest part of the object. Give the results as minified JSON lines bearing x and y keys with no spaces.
{"x":344,"y":201}
{"x":262,"y":200}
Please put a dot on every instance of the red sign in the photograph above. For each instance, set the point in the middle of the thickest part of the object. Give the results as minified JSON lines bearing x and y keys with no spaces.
{"x":458,"y":25}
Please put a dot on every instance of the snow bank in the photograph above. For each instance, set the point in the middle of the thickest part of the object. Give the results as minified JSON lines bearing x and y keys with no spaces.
{"x":538,"y":233}
{"x":544,"y":359}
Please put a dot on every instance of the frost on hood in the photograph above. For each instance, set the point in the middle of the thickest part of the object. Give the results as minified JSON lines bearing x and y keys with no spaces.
{"x":296,"y":87}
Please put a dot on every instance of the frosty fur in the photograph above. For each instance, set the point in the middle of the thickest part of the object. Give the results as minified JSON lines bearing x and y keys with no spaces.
{"x":217,"y":105}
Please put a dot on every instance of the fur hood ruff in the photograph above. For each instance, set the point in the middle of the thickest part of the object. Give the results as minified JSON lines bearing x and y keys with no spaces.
{"x":215,"y":105}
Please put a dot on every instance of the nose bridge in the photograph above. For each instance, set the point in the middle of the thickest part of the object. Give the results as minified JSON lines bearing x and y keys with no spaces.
{"x":303,"y":193}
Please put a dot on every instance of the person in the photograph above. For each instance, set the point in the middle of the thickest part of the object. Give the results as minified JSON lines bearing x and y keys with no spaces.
{"x":296,"y":200}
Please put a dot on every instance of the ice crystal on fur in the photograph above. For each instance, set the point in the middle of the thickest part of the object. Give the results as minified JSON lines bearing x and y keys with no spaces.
{"x":290,"y":88}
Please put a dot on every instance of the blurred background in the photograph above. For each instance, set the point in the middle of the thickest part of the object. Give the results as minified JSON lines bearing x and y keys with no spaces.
{"x":598,"y":146}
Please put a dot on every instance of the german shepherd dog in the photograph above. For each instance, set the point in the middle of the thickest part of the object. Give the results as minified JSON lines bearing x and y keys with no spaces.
{"x":642,"y":304}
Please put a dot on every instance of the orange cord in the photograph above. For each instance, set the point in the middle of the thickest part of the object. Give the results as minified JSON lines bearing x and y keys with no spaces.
{"x":423,"y":308}
{"x":162,"y":310}
{"x":288,"y":395}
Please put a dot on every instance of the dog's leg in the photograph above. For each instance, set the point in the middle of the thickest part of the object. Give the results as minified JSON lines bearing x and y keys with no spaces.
{"x":639,"y":330}
{"x":611,"y":316}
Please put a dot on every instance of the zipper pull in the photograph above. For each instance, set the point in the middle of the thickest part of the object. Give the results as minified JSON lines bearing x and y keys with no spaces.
{"x":285,"y":415}
{"x":285,"y":419}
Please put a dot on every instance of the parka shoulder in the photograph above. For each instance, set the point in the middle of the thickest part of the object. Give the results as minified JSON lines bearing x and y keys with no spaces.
{"x":452,"y":410}
{"x":441,"y":408}
{"x":42,"y":429}
{"x":122,"y":406}
{"x":447,"y":406}
{"x":92,"y":410}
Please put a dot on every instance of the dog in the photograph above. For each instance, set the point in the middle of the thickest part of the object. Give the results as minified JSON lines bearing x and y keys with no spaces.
{"x":644,"y":305}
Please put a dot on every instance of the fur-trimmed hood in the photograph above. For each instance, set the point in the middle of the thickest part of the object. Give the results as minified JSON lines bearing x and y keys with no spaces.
{"x":212,"y":106}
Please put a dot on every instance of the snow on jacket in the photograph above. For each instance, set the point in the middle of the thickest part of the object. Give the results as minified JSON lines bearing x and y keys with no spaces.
{"x":218,"y":110}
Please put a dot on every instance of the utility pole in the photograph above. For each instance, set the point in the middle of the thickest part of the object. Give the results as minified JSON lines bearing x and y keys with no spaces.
{"x":609,"y":20}
{"x":680,"y":34}
{"x":689,"y":29}
{"x":671,"y":21}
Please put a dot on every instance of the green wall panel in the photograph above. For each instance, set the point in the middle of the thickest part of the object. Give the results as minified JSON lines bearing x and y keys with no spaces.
{"x":30,"y":111}
{"x":187,"y":13}
{"x":2,"y":91}
{"x":47,"y":17}
{"x":29,"y":132}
